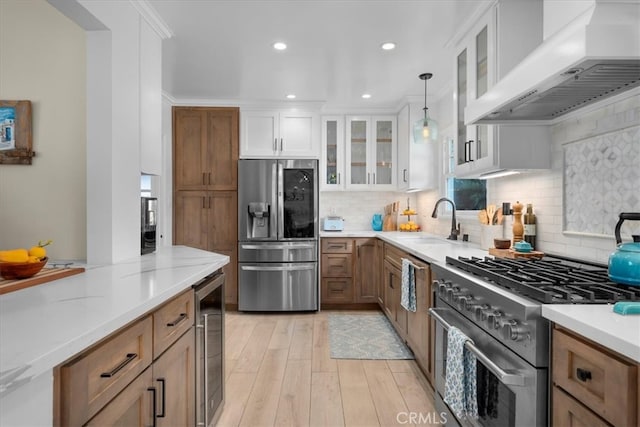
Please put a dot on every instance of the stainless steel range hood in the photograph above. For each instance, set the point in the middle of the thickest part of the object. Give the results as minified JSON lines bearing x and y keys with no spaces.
{"x":595,"y":56}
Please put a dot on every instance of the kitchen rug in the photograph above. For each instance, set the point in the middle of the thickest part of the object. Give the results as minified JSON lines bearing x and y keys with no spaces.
{"x":365,"y":336}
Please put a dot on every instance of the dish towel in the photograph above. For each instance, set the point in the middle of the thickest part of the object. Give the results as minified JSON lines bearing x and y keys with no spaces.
{"x":408,"y":294}
{"x":460,"y":376}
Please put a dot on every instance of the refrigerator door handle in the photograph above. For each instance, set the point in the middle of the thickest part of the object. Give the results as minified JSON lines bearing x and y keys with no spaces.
{"x":293,"y":267}
{"x":280,"y":192}
{"x":278,"y":247}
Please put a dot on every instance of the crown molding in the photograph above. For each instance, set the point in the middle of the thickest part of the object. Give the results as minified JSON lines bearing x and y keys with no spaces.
{"x":153,"y":18}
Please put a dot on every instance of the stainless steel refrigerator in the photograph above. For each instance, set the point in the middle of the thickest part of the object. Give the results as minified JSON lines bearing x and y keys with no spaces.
{"x":278,"y":235}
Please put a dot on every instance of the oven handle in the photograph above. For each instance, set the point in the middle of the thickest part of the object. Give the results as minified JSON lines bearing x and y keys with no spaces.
{"x":505,"y":377}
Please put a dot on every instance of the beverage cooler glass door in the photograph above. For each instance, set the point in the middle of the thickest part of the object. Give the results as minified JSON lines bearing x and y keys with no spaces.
{"x":298,"y":195}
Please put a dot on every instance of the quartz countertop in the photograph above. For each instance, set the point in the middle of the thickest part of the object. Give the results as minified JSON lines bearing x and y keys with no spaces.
{"x":44,"y":325}
{"x":599,"y":324}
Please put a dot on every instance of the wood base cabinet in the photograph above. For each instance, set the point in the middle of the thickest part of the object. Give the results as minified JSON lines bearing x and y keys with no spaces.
{"x":591,"y":384}
{"x":415,"y":328}
{"x":347,"y":273}
{"x":143,"y":374}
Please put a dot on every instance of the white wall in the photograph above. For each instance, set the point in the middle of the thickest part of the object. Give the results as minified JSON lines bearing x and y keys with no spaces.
{"x":43,"y":60}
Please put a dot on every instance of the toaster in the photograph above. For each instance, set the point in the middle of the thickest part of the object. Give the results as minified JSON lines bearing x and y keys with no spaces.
{"x":333,"y":223}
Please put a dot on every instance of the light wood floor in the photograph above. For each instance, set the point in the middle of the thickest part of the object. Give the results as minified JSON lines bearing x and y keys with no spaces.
{"x":279,"y":372}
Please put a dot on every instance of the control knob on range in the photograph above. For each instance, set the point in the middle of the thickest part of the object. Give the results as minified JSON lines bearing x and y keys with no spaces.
{"x":442,"y":287}
{"x":493,"y":319}
{"x":453,"y":293}
{"x":465,"y":302}
{"x":511,"y":330}
{"x":481,"y":311}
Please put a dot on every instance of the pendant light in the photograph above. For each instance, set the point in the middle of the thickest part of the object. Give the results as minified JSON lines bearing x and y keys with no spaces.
{"x":425,"y":130}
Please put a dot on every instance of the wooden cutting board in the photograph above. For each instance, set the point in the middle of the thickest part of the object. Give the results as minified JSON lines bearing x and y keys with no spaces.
{"x":45,"y":275}
{"x":511,"y":253}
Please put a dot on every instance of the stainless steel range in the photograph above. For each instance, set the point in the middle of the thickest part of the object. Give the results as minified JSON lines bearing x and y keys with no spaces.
{"x":497,"y":303}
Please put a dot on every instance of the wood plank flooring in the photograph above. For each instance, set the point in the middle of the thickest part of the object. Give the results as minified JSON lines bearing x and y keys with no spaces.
{"x":279,"y":373}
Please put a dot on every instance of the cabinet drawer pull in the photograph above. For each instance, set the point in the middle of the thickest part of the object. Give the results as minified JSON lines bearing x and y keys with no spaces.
{"x":181,"y":318}
{"x":130,"y":357}
{"x":583,"y":375}
{"x":281,"y":145}
{"x":153,"y":403}
{"x":164,"y":405}
{"x":275,"y":144}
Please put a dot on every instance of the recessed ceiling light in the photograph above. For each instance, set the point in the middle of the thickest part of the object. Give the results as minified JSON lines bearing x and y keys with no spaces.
{"x":279,"y":46}
{"x":388,"y":46}
{"x":366,"y":95}
{"x":291,"y":96}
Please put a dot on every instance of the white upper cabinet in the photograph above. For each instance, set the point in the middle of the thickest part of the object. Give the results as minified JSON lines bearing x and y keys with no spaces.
{"x":491,"y":48}
{"x":332,"y":176}
{"x":279,"y":134}
{"x":150,"y":100}
{"x":370,"y":152}
{"x":417,"y":163}
{"x":474,"y":73}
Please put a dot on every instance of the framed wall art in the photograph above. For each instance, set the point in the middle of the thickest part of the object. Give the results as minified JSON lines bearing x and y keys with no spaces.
{"x":15,"y":133}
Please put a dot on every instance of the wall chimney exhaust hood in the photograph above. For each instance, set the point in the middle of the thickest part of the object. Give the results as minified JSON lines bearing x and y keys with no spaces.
{"x":595,"y":56}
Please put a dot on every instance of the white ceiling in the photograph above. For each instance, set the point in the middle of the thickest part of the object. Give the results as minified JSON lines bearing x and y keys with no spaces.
{"x":221,"y":50}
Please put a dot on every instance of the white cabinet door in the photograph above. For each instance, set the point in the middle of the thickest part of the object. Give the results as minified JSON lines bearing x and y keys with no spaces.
{"x":298,"y":135}
{"x":150,"y":100}
{"x":279,"y":134}
{"x":259,"y":134}
{"x":383,"y":152}
{"x":332,"y":176}
{"x":474,"y":74}
{"x":371,"y":152}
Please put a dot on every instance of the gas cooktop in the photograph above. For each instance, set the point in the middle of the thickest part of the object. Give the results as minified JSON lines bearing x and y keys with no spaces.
{"x":550,"y":280}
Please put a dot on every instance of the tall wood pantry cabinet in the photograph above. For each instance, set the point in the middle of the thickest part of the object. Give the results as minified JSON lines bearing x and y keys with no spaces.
{"x":205,"y":184}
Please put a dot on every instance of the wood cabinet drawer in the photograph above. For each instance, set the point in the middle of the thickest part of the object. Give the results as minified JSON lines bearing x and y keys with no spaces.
{"x":337,"y":246}
{"x":337,"y":265}
{"x":394,"y":255}
{"x":91,"y":380}
{"x":337,"y":290}
{"x":603,"y":382}
{"x":172,"y":320}
{"x":569,"y":412}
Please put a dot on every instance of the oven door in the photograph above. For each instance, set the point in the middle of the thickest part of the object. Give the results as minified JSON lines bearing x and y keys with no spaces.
{"x":510,"y":391}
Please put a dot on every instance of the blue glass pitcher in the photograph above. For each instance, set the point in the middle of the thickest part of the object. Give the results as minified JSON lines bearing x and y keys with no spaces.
{"x":376,"y":222}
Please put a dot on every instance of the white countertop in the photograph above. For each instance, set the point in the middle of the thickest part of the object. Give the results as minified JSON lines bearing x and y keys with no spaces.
{"x":596,"y":322}
{"x":44,"y":325}
{"x":599,"y":324}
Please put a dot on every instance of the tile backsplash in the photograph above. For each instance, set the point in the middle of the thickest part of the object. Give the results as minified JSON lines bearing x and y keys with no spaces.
{"x":616,"y":124}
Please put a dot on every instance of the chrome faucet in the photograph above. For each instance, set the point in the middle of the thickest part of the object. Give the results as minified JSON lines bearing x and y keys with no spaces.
{"x":455,"y":228}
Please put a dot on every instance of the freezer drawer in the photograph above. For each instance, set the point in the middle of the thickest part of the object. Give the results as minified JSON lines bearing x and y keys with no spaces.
{"x":278,"y":286}
{"x":256,"y":252}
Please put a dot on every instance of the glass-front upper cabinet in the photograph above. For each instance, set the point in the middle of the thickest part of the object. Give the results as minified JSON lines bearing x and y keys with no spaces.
{"x":371,"y":152}
{"x":332,"y":160}
{"x":474,"y":74}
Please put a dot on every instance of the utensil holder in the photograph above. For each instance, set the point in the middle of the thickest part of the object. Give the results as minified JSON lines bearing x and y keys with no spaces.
{"x":488,"y":233}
